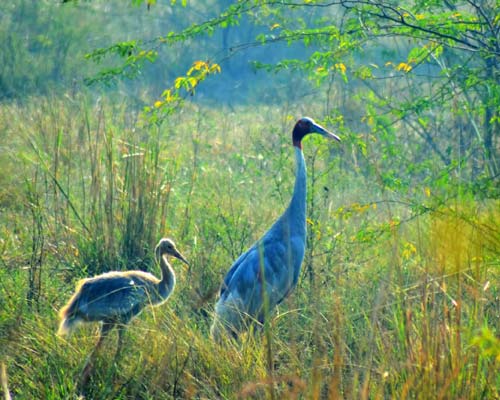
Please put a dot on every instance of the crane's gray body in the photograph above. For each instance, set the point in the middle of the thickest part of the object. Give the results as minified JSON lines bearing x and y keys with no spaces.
{"x":270,"y":269}
{"x":266,"y":273}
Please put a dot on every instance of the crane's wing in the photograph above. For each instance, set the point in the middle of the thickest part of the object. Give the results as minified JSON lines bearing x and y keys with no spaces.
{"x":234,"y":267}
{"x":245,"y":282}
{"x":112,"y":297}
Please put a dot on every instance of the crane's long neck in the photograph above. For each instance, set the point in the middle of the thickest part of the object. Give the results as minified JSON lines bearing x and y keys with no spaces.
{"x":296,"y":211}
{"x":167,"y":282}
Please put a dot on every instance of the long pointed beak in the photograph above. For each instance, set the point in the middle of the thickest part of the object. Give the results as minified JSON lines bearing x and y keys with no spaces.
{"x":317,"y":128}
{"x":181,"y":257}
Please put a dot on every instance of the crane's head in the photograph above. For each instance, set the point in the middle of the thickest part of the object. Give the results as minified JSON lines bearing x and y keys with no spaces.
{"x":305,"y":126}
{"x":167,"y":246}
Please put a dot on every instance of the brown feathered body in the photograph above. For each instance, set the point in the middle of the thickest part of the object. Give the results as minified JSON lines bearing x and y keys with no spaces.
{"x":118,"y":296}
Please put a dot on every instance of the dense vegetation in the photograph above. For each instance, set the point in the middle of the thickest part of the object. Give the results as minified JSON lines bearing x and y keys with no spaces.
{"x":122,"y":124}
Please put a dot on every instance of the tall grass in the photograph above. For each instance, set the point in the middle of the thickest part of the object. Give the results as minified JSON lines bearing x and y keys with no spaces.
{"x":399,"y":295}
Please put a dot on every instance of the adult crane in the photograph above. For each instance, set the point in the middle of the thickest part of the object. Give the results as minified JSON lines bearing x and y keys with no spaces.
{"x":267,"y":272}
{"x":115,"y":297}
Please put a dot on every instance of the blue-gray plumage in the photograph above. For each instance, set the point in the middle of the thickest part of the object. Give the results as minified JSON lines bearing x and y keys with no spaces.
{"x":114,"y":298}
{"x":269,"y":270}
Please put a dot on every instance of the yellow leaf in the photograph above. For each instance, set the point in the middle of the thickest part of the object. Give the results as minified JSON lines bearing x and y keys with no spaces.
{"x":427,"y":191}
{"x":167,"y":94}
{"x":419,"y":16}
{"x":341,"y":67}
{"x":197,"y":65}
{"x":178,"y":82}
{"x":169,"y":98}
{"x":404,"y":67}
{"x":274,"y":26}
{"x":158,"y":104}
{"x":215,"y":68}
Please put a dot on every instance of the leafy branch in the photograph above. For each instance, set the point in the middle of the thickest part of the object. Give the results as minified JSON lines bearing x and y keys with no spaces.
{"x":183,"y":86}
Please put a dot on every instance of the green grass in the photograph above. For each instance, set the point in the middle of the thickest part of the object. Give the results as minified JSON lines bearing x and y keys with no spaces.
{"x":398,"y":298}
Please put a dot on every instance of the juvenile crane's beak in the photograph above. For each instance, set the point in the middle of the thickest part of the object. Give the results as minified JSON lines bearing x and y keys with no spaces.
{"x":317,"y":128}
{"x":180,"y":257}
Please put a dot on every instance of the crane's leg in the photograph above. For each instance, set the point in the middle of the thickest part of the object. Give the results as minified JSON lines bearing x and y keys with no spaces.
{"x":106,"y":327}
{"x":121,"y":332}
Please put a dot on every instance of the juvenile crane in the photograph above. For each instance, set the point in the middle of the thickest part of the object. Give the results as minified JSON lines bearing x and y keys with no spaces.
{"x":114,"y":298}
{"x":267,"y":272}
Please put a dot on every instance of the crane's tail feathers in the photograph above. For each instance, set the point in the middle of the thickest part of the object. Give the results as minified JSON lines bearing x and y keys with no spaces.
{"x":221,"y":332}
{"x":228,"y":319}
{"x":68,"y":319}
{"x":67,"y":326}
{"x":216,"y":330}
{"x":68,"y":314}
{"x":64,"y":328}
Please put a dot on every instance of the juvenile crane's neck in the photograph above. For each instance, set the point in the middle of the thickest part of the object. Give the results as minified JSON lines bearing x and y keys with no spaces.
{"x":167,"y":282}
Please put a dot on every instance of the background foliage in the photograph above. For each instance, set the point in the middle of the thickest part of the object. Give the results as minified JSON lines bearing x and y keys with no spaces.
{"x":122,"y":123}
